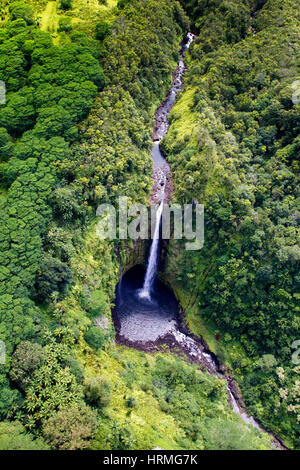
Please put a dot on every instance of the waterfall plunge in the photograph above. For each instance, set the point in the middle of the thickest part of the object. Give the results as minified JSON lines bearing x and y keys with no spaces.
{"x":153,"y":257}
{"x":161,"y":130}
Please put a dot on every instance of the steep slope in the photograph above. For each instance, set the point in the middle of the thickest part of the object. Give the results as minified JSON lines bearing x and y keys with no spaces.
{"x":234,"y":146}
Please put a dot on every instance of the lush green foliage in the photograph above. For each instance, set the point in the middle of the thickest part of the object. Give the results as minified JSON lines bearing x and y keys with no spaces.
{"x":64,"y":380}
{"x":70,"y":428}
{"x":155,"y":393}
{"x":97,"y":390}
{"x":94,"y":337}
{"x":49,"y":90}
{"x":13,"y":436}
{"x":217,"y":21}
{"x":26,"y":358}
{"x":21,"y":10}
{"x":65,"y":4}
{"x":52,"y":188}
{"x":234,"y":146}
{"x":102,"y":30}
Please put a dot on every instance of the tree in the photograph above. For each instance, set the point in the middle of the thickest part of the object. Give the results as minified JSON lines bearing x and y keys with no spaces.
{"x":102,"y":30}
{"x":97,"y":390}
{"x":94,"y":337}
{"x":19,"y":114}
{"x":6,"y":145}
{"x":10,"y":400}
{"x":21,"y":10}
{"x":13,"y":436}
{"x":52,"y":121}
{"x":264,"y":274}
{"x":267,"y":362}
{"x":66,"y":4}
{"x":53,"y":385}
{"x":71,"y":427}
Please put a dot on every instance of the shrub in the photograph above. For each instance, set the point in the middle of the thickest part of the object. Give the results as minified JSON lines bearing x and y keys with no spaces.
{"x":75,"y":369}
{"x":97,"y":303}
{"x":102,"y":30}
{"x":131,"y":402}
{"x":225,"y":435}
{"x":53,"y":276}
{"x":122,"y":3}
{"x":13,"y":436}
{"x":65,"y":24}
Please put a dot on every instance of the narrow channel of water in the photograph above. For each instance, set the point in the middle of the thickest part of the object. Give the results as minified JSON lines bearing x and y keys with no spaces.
{"x":150,"y":275}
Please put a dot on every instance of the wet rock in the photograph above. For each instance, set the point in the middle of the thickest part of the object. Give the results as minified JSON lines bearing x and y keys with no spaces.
{"x":101,"y":322}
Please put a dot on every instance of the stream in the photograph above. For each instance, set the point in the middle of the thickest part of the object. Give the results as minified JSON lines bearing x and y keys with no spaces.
{"x":147,"y":314}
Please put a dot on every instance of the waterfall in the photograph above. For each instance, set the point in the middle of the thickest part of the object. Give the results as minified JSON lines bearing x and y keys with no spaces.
{"x":153,"y":257}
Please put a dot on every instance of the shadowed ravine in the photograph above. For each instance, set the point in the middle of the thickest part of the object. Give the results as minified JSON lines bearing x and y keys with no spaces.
{"x":147,"y":313}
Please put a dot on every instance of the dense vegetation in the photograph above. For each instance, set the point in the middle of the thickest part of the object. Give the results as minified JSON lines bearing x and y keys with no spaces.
{"x":82,"y":87}
{"x":64,"y":384}
{"x":49,"y":189}
{"x":234,"y":146}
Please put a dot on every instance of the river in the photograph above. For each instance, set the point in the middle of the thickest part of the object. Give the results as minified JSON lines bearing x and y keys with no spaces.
{"x":148,"y":315}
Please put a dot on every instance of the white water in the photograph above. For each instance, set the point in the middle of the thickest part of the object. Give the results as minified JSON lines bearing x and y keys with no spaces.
{"x":159,"y":162}
{"x":153,"y":257}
